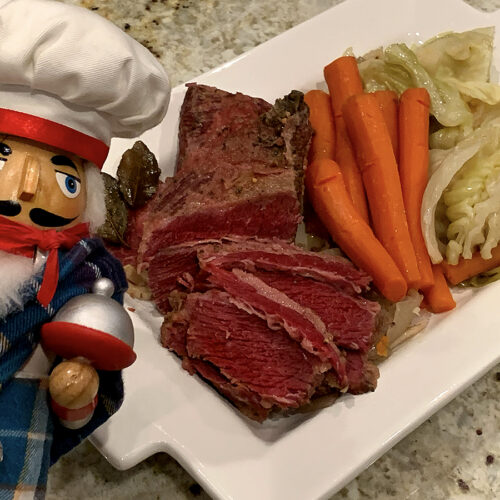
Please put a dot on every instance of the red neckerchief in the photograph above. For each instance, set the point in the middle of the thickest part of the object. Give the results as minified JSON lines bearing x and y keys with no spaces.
{"x":22,"y":239}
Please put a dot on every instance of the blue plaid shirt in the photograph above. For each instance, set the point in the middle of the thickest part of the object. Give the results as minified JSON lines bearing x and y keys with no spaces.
{"x":31,"y":437}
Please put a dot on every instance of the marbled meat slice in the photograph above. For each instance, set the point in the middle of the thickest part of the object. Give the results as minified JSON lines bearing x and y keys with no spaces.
{"x":350,"y":319}
{"x":204,"y":207}
{"x":251,"y":294}
{"x":169,"y":268}
{"x":246,"y":359}
{"x":280,"y":256}
{"x":246,"y":400}
{"x":362,"y":374}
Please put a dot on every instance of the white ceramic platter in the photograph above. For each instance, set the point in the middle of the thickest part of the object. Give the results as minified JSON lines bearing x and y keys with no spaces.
{"x":306,"y":456}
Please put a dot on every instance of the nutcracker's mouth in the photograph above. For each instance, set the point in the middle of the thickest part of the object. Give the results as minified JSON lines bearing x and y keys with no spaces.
{"x":9,"y":208}
{"x":48,"y":219}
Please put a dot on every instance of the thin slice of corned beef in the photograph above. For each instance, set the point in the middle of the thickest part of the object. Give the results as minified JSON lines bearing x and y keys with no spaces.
{"x":248,"y":353}
{"x":247,"y":401}
{"x":169,"y":268}
{"x":174,"y":331}
{"x":251,"y":294}
{"x":174,"y":337}
{"x":280,"y":256}
{"x":238,"y":206}
{"x":350,"y":319}
{"x":362,"y":374}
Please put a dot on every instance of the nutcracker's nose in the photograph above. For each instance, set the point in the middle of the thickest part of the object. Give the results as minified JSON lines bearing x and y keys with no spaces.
{"x":29,"y":178}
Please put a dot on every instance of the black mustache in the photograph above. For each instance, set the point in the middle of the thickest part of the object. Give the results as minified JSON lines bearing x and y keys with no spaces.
{"x":48,"y":219}
{"x":9,"y":208}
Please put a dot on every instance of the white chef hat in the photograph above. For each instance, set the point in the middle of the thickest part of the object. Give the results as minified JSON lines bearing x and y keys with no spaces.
{"x":72,"y":80}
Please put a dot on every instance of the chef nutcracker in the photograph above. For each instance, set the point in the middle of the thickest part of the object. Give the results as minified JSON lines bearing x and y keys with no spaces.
{"x":69,"y":81}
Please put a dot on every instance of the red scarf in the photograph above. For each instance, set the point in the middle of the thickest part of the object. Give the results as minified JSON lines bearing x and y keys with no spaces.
{"x":21,"y":239}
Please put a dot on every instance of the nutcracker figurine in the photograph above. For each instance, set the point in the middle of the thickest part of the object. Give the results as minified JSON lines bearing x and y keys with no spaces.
{"x":69,"y":81}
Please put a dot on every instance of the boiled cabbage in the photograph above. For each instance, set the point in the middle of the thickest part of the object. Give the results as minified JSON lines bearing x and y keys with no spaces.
{"x":467,"y":178}
{"x":458,"y":57}
{"x":399,"y":69}
{"x":461,"y":203}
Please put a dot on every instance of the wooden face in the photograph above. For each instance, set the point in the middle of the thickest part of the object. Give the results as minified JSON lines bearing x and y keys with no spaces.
{"x":39,"y":185}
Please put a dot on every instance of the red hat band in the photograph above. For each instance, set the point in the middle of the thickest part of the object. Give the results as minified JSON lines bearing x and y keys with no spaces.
{"x":53,"y":134}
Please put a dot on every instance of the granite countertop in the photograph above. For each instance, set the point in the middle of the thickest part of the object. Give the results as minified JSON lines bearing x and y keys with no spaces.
{"x":454,"y":453}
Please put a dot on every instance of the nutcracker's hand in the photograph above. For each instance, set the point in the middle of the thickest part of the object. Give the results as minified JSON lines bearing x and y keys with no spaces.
{"x":96,"y":331}
{"x":73,"y":387}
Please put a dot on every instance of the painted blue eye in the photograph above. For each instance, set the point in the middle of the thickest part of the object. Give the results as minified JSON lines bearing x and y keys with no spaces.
{"x":69,"y":184}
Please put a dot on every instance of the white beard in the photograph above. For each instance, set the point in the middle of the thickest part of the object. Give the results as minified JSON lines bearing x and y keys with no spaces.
{"x":15,"y":271}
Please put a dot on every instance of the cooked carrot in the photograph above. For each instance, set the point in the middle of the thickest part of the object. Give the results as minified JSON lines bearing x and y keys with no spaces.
{"x":467,"y":268}
{"x":343,"y":80}
{"x":372,"y":145}
{"x":321,"y":119}
{"x":344,"y":156}
{"x":413,"y":167}
{"x":388,"y":102}
{"x":327,"y":192}
{"x":382,"y":346}
{"x":438,"y":296}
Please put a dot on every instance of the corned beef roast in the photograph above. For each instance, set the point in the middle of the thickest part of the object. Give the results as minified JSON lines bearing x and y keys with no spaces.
{"x":239,"y":172}
{"x":268,"y":324}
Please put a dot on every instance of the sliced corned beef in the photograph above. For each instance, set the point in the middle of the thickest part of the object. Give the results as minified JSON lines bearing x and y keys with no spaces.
{"x":361,"y":373}
{"x":247,"y":401}
{"x":246,"y":351}
{"x":280,"y":256}
{"x":218,"y":128}
{"x":303,"y":325}
{"x":350,"y":319}
{"x":255,"y":367}
{"x":239,"y":207}
{"x":174,"y":331}
{"x":170,"y":267}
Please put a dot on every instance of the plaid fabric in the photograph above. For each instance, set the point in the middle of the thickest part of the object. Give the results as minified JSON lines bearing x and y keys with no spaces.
{"x":31,"y":436}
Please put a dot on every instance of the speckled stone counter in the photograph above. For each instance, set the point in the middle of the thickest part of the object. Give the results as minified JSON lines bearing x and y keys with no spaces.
{"x":453,"y":454}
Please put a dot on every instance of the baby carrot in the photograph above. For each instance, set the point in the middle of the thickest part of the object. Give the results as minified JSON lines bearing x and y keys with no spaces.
{"x":372,"y":145}
{"x":467,"y":268}
{"x":388,"y":102}
{"x":343,"y":80}
{"x":321,"y":119}
{"x":413,"y":166}
{"x":344,"y":156}
{"x":326,"y":190}
{"x":438,"y":296}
